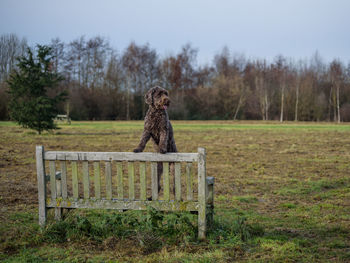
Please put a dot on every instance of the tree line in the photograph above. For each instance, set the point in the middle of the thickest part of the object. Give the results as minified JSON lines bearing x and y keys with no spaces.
{"x":105,"y":84}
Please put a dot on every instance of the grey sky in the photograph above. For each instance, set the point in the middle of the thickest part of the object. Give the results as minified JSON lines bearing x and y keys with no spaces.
{"x":257,"y":28}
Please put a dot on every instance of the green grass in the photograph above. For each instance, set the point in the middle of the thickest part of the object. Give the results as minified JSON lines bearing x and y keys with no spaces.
{"x":203,"y":125}
{"x":150,"y":232}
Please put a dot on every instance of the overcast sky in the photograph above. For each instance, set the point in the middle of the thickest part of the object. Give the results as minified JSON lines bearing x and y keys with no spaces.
{"x":256,"y":28}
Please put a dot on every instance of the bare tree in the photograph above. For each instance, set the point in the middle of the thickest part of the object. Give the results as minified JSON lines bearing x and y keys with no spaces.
{"x":280,"y":71}
{"x":58,"y":52}
{"x":11,"y":47}
{"x":336,"y":76}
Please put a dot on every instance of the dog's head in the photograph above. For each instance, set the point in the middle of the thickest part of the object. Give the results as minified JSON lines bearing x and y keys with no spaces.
{"x":158,"y":98}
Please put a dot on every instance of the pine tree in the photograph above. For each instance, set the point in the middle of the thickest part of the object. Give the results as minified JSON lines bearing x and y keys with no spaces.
{"x":30,"y":105}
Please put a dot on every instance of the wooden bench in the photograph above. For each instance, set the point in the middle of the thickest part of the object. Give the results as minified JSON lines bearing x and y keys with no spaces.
{"x":63,"y":118}
{"x":81,"y":175}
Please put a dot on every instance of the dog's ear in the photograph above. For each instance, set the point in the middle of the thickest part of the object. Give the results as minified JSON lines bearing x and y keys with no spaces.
{"x":149,"y":96}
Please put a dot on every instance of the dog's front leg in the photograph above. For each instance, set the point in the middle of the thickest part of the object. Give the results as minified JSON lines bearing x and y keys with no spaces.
{"x":144,"y":139}
{"x":163,"y":141}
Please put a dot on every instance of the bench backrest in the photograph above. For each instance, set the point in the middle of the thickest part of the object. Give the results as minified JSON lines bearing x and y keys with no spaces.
{"x":103,"y":180}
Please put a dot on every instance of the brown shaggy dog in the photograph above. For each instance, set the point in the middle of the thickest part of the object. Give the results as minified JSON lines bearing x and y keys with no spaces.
{"x":157,"y":126}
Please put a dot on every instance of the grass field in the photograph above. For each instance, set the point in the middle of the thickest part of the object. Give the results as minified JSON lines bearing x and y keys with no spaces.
{"x":282,"y":194}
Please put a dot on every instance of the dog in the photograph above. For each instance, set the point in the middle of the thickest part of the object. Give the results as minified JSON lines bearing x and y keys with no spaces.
{"x":158,"y":127}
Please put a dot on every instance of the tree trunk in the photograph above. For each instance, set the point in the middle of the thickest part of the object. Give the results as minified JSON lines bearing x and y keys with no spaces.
{"x":266,"y":107}
{"x":297,"y":101}
{"x":338,"y":106}
{"x":330,"y":103}
{"x":128,"y":100}
{"x":282,"y":102}
{"x":334,"y":106}
{"x":238,"y":107}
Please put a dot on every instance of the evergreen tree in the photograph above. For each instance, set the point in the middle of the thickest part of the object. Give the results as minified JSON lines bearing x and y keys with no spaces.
{"x":30,"y":104}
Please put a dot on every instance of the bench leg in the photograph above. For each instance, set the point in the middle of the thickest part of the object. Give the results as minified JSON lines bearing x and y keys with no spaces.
{"x":40,"y":168}
{"x":202,"y":223}
{"x":202,"y":194}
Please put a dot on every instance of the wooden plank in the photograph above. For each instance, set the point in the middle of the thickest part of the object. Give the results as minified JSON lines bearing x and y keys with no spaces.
{"x":75,"y":180}
{"x":189,"y":182}
{"x":52,"y":167}
{"x":121,"y":156}
{"x":143,"y":187}
{"x":154,"y":178}
{"x":125,"y":204}
{"x":202,"y":225}
{"x":86,"y":181}
{"x":58,"y":211}
{"x":120,"y":186}
{"x":177,"y":181}
{"x":40,"y":172}
{"x":97,"y":179}
{"x":131,"y":180}
{"x":64,"y":179}
{"x":166,"y":181}
{"x":108,"y":180}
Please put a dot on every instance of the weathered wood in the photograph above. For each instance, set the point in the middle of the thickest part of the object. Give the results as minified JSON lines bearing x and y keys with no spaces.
{"x":143,"y":187}
{"x":120,"y":186}
{"x":131,"y":174}
{"x":189,"y":182}
{"x":75,"y":180}
{"x":64,"y":179}
{"x":40,"y":172}
{"x":59,"y":200}
{"x":58,"y":211}
{"x":97,"y":179}
{"x":108,"y":180}
{"x":52,"y":167}
{"x":86,"y":181}
{"x":166,"y":182}
{"x":177,"y":181}
{"x":154,"y":178}
{"x":201,"y":194}
{"x":125,"y":204}
{"x":58,"y":188}
{"x":121,"y":156}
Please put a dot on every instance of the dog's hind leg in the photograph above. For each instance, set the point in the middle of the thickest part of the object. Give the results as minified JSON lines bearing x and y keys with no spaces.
{"x":159,"y":174}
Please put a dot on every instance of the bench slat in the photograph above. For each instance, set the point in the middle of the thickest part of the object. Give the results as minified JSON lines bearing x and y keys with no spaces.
{"x":143,"y":188}
{"x":97,"y":181}
{"x":108,"y":180}
{"x":86,"y":181}
{"x":75,"y":180}
{"x":189,"y":182}
{"x":125,"y":204}
{"x":166,"y":182}
{"x":58,"y":211}
{"x":52,"y":167}
{"x":64,"y":179}
{"x":120,"y":186}
{"x":177,"y":181}
{"x":131,"y":173}
{"x":121,"y":156}
{"x":154,"y":178}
